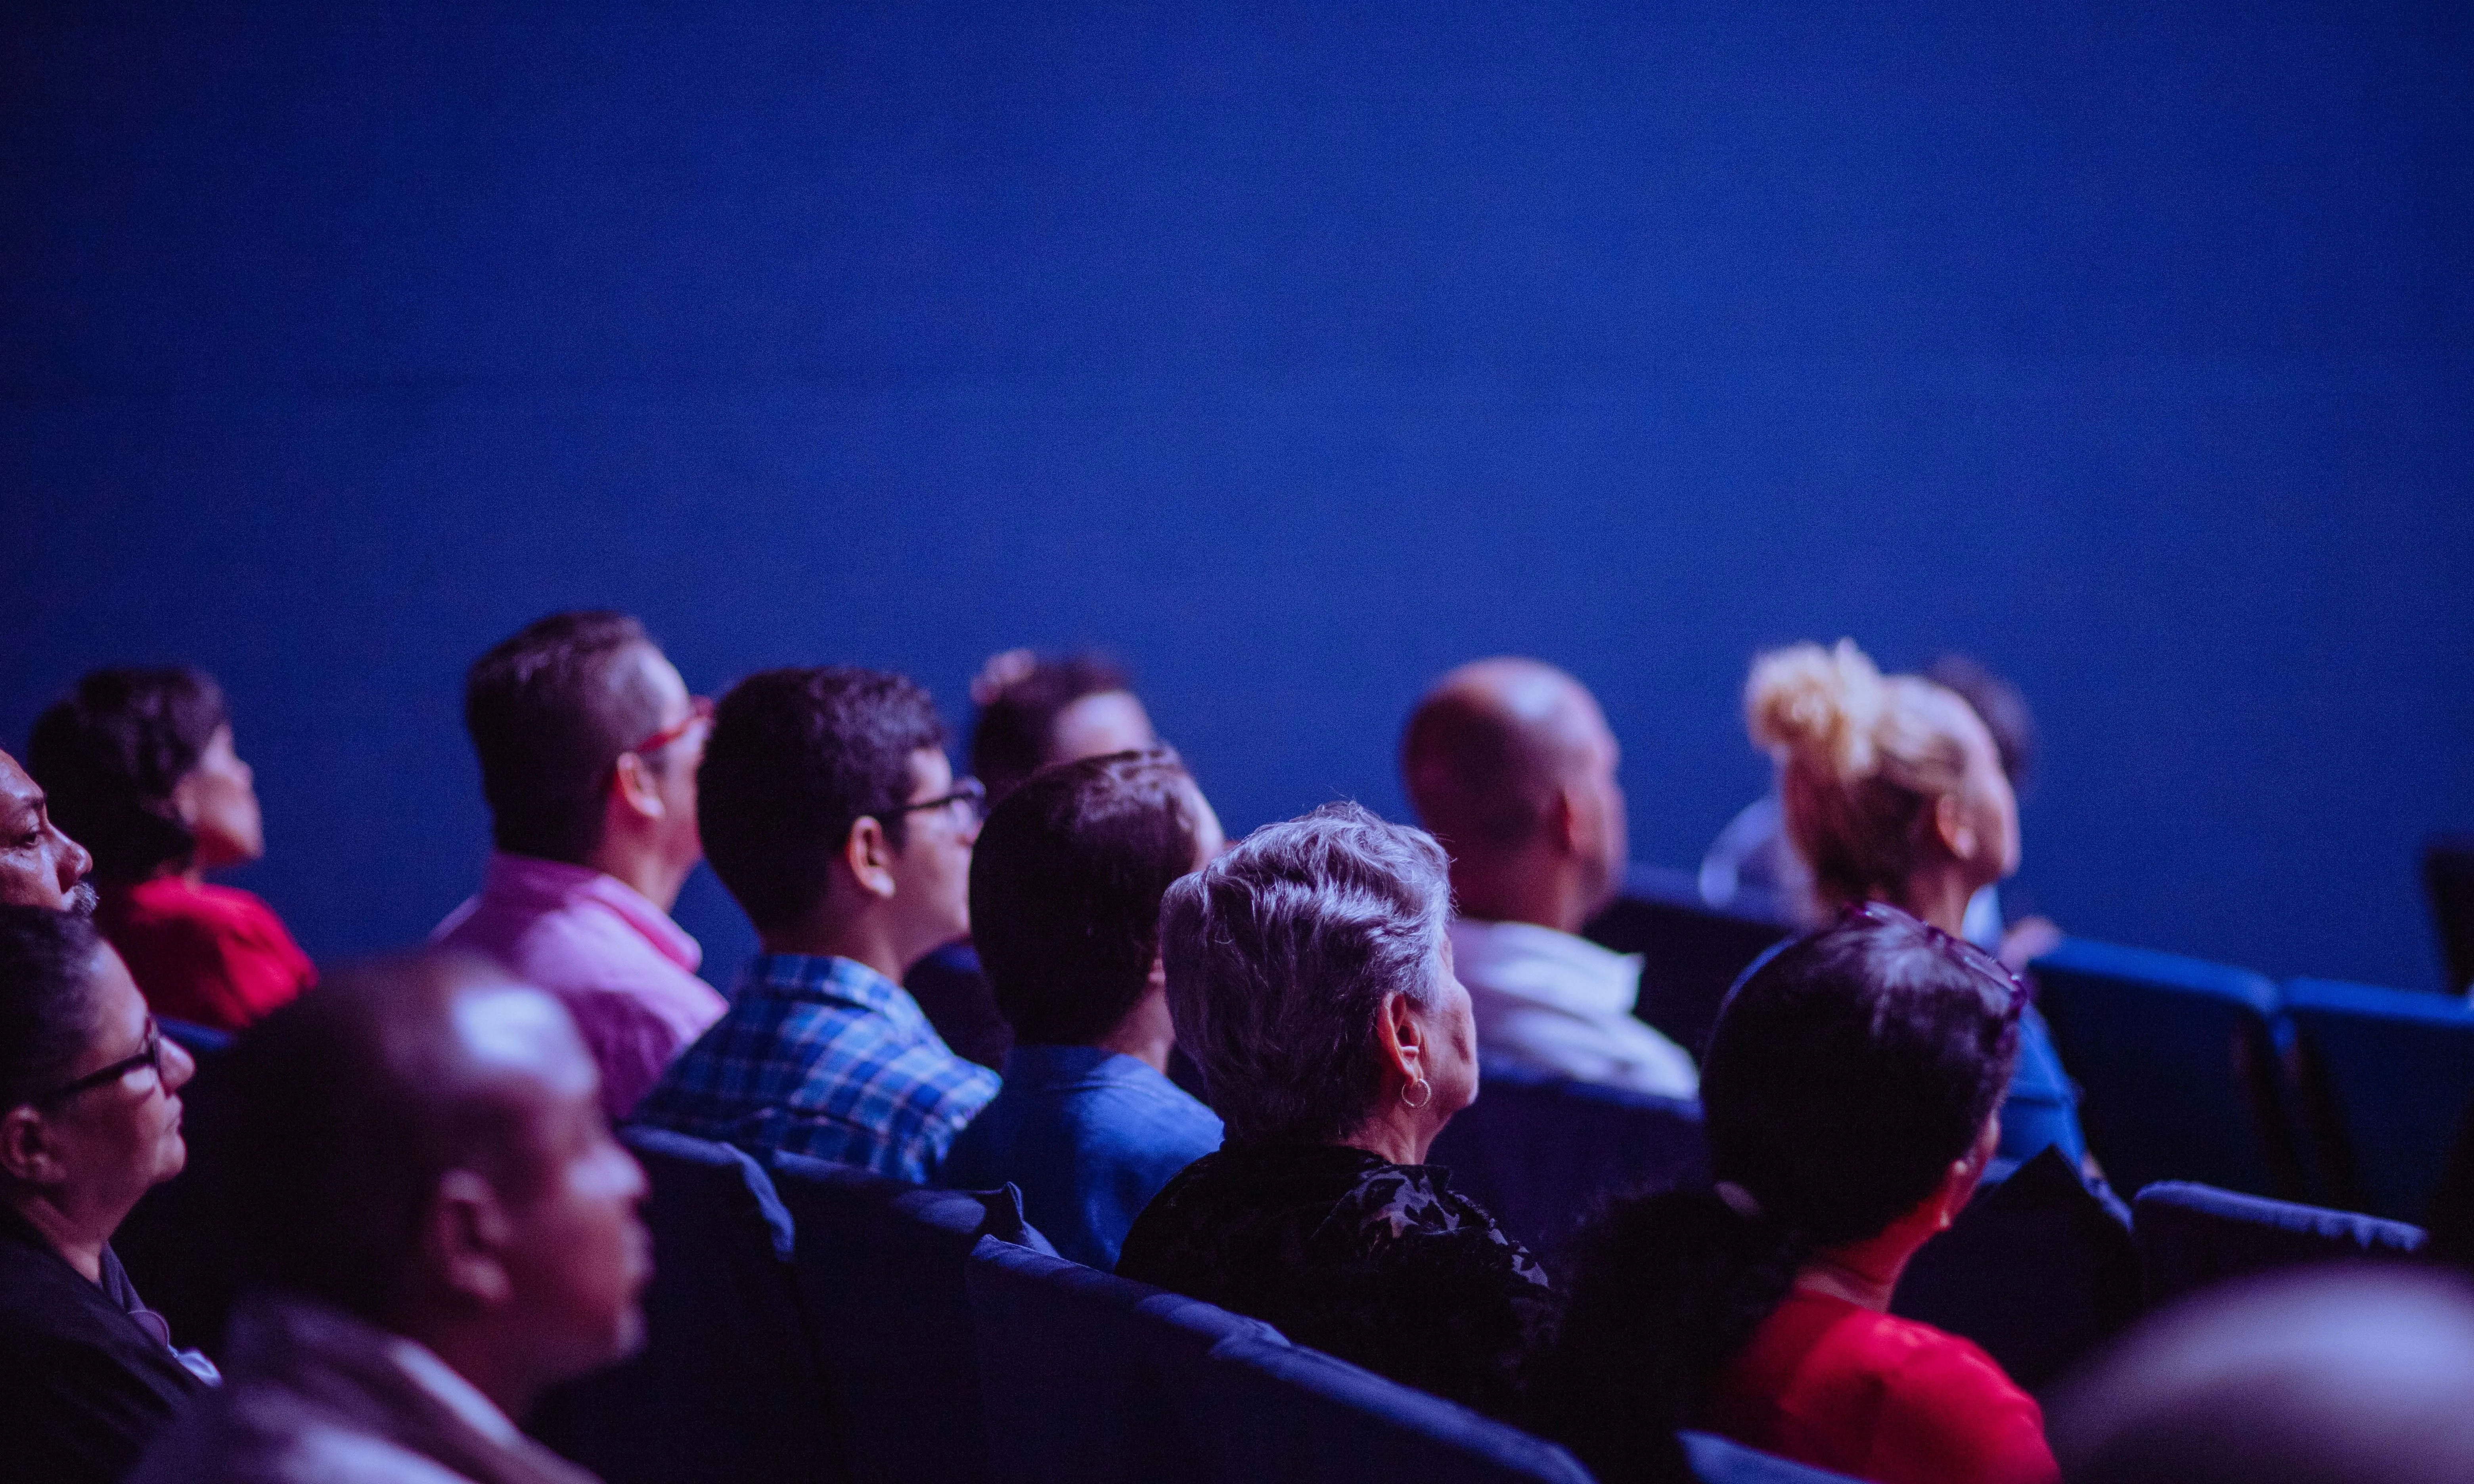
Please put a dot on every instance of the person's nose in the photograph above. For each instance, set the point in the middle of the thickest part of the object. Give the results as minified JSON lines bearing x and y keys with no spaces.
{"x":179,"y":1066}
{"x":75,"y":861}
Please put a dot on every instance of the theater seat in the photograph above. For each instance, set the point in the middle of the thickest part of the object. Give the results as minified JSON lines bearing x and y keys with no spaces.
{"x":728,"y":1386}
{"x":2192,"y":1235}
{"x":1090,"y":1377}
{"x":1691,"y":952}
{"x":1717,"y":1460}
{"x":881,"y":1269}
{"x":2179,"y":1062}
{"x":1535,"y":1151}
{"x":2448,"y":876}
{"x":1281,"y":1411}
{"x":2386,"y":1076}
{"x":2039,"y":1269}
{"x":198,"y":1040}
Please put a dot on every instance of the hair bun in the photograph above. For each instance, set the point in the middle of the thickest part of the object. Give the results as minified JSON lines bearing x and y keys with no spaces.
{"x":1816,"y":705}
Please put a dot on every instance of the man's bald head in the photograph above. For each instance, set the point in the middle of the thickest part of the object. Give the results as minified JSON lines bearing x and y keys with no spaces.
{"x":343,"y":1109}
{"x":1509,"y":763}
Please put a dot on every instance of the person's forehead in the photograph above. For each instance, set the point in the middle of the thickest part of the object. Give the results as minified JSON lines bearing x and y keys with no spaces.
{"x":17,"y":791}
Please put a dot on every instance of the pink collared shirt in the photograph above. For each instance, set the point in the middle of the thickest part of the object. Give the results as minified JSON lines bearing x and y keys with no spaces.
{"x":624,"y":970}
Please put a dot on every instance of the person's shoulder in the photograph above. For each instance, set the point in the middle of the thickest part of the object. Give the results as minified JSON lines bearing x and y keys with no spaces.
{"x":1948,"y":1406}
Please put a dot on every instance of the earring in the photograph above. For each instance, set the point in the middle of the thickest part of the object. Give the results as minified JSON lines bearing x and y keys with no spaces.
{"x":1426,"y":1091}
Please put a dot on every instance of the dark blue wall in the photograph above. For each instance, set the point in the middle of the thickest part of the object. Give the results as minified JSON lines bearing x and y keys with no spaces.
{"x":1296,"y":354}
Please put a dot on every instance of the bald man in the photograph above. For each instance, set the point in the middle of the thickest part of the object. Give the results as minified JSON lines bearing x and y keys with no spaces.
{"x":439,"y":1229}
{"x":1511,"y":765}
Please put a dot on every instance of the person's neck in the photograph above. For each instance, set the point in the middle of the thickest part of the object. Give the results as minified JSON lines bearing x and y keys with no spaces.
{"x":864,"y":937}
{"x":78,"y":1236}
{"x":1939,"y":895}
{"x":1864,"y":1274}
{"x":1395,"y":1133}
{"x":1145,"y":1034}
{"x":642,"y":867}
{"x":477,"y":1351}
{"x":1530,"y":886}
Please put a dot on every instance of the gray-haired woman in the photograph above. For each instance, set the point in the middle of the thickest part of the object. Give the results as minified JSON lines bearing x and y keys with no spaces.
{"x":1310,"y":979}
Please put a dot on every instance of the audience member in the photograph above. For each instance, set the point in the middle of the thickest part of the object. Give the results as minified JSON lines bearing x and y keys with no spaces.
{"x":1893,"y":792}
{"x":1849,"y":1096}
{"x":589,"y":743}
{"x":448,"y":1231}
{"x":831,"y":815}
{"x":89,"y":1120}
{"x":1753,"y":865}
{"x":1032,"y":712}
{"x":1511,"y":764}
{"x":40,"y":865}
{"x":140,"y":768}
{"x":1066,"y":883}
{"x":2352,"y":1375}
{"x":1310,"y":976}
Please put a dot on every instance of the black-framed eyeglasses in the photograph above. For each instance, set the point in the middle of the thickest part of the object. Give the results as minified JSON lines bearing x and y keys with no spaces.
{"x":150,"y":1054}
{"x":970,"y":793}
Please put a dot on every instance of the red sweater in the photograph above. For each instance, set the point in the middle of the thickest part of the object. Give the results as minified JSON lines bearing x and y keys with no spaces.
{"x":207,"y":954}
{"x":1828,"y":1383}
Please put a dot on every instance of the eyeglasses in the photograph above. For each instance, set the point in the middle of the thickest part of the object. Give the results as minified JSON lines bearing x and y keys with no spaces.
{"x":1957,"y":948}
{"x":699,"y":709}
{"x":150,"y":1054}
{"x":970,"y":793}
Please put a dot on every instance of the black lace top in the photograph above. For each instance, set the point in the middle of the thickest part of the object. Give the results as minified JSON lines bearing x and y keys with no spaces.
{"x":1378,"y":1263}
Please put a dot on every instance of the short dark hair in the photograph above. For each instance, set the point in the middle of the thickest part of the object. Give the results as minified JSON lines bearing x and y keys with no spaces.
{"x":1014,"y":734}
{"x":1066,"y":881}
{"x":47,"y":1004}
{"x":1847,"y":1072}
{"x":109,"y":755}
{"x":333,"y":1119}
{"x":550,"y":709}
{"x":796,"y":757}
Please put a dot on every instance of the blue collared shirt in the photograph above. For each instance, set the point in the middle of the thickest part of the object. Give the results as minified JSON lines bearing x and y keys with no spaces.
{"x":828,"y":1058}
{"x":1090,"y":1136}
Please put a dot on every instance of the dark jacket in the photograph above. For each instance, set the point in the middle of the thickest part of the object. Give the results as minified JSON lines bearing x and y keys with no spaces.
{"x":1378,"y":1263}
{"x":88,"y":1384}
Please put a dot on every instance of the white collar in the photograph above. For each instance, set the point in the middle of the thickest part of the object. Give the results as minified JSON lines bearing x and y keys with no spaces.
{"x":451,"y":1391}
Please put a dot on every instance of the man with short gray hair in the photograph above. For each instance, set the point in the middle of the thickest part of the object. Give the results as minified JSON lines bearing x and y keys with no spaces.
{"x":1310,"y":978}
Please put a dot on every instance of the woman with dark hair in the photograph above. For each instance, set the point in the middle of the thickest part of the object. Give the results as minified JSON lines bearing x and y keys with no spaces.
{"x":89,"y":1121}
{"x":1851,"y":1097}
{"x":140,"y":768}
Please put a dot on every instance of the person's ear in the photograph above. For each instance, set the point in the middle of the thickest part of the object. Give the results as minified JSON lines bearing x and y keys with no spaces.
{"x":185,"y":807}
{"x":464,"y":1240}
{"x":869,"y":855}
{"x":636,"y":790}
{"x":1156,"y":982}
{"x":1403,"y":1037}
{"x":1956,"y":830}
{"x":1966,"y":1173}
{"x":1567,"y":820}
{"x":27,"y":1154}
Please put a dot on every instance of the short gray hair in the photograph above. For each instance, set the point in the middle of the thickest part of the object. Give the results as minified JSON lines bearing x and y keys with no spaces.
{"x":1279,"y":956}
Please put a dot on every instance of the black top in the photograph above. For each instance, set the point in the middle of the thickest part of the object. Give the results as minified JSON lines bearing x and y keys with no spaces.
{"x":85,"y":1385}
{"x":1375,"y":1262}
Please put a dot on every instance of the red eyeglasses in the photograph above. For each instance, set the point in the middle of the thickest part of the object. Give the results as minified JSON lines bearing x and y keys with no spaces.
{"x":699,"y":709}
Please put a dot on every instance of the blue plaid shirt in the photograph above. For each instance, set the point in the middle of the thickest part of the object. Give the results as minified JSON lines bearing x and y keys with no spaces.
{"x":823,"y":1057}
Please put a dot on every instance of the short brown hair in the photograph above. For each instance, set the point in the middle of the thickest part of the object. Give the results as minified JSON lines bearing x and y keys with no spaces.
{"x":550,"y":709}
{"x":1066,"y":883}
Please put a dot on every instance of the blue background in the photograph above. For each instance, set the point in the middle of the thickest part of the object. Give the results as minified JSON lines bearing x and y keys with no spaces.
{"x":1295,"y":353}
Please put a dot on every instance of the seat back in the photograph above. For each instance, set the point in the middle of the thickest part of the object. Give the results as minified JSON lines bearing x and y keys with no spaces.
{"x":1717,"y":1460}
{"x":2448,"y":876}
{"x":2191,"y":1236}
{"x":2179,"y":1061}
{"x":200,"y":1041}
{"x":1091,"y":1377}
{"x":881,"y":1270}
{"x":1691,"y":952}
{"x":2386,"y":1076}
{"x":1535,"y":1151}
{"x":728,"y":1385}
{"x":2039,"y":1269}
{"x":1281,"y":1411}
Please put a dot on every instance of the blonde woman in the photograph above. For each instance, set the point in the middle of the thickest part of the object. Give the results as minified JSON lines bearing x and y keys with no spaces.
{"x":1893,"y":791}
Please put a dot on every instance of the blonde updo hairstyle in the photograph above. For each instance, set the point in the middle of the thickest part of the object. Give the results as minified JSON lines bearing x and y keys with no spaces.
{"x":1863,"y":758}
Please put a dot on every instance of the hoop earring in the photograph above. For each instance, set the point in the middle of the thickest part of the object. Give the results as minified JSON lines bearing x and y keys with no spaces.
{"x":1426,"y":1091}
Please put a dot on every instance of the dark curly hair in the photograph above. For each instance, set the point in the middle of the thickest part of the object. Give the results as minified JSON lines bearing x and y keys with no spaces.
{"x":111,"y":753}
{"x":795,"y":758}
{"x":1019,"y":697}
{"x":1847,"y":1071}
{"x":550,"y":709}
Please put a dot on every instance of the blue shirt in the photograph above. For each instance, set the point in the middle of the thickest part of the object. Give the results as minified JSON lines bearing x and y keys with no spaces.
{"x":828,"y":1058}
{"x":2043,"y":1105}
{"x":1090,"y":1136}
